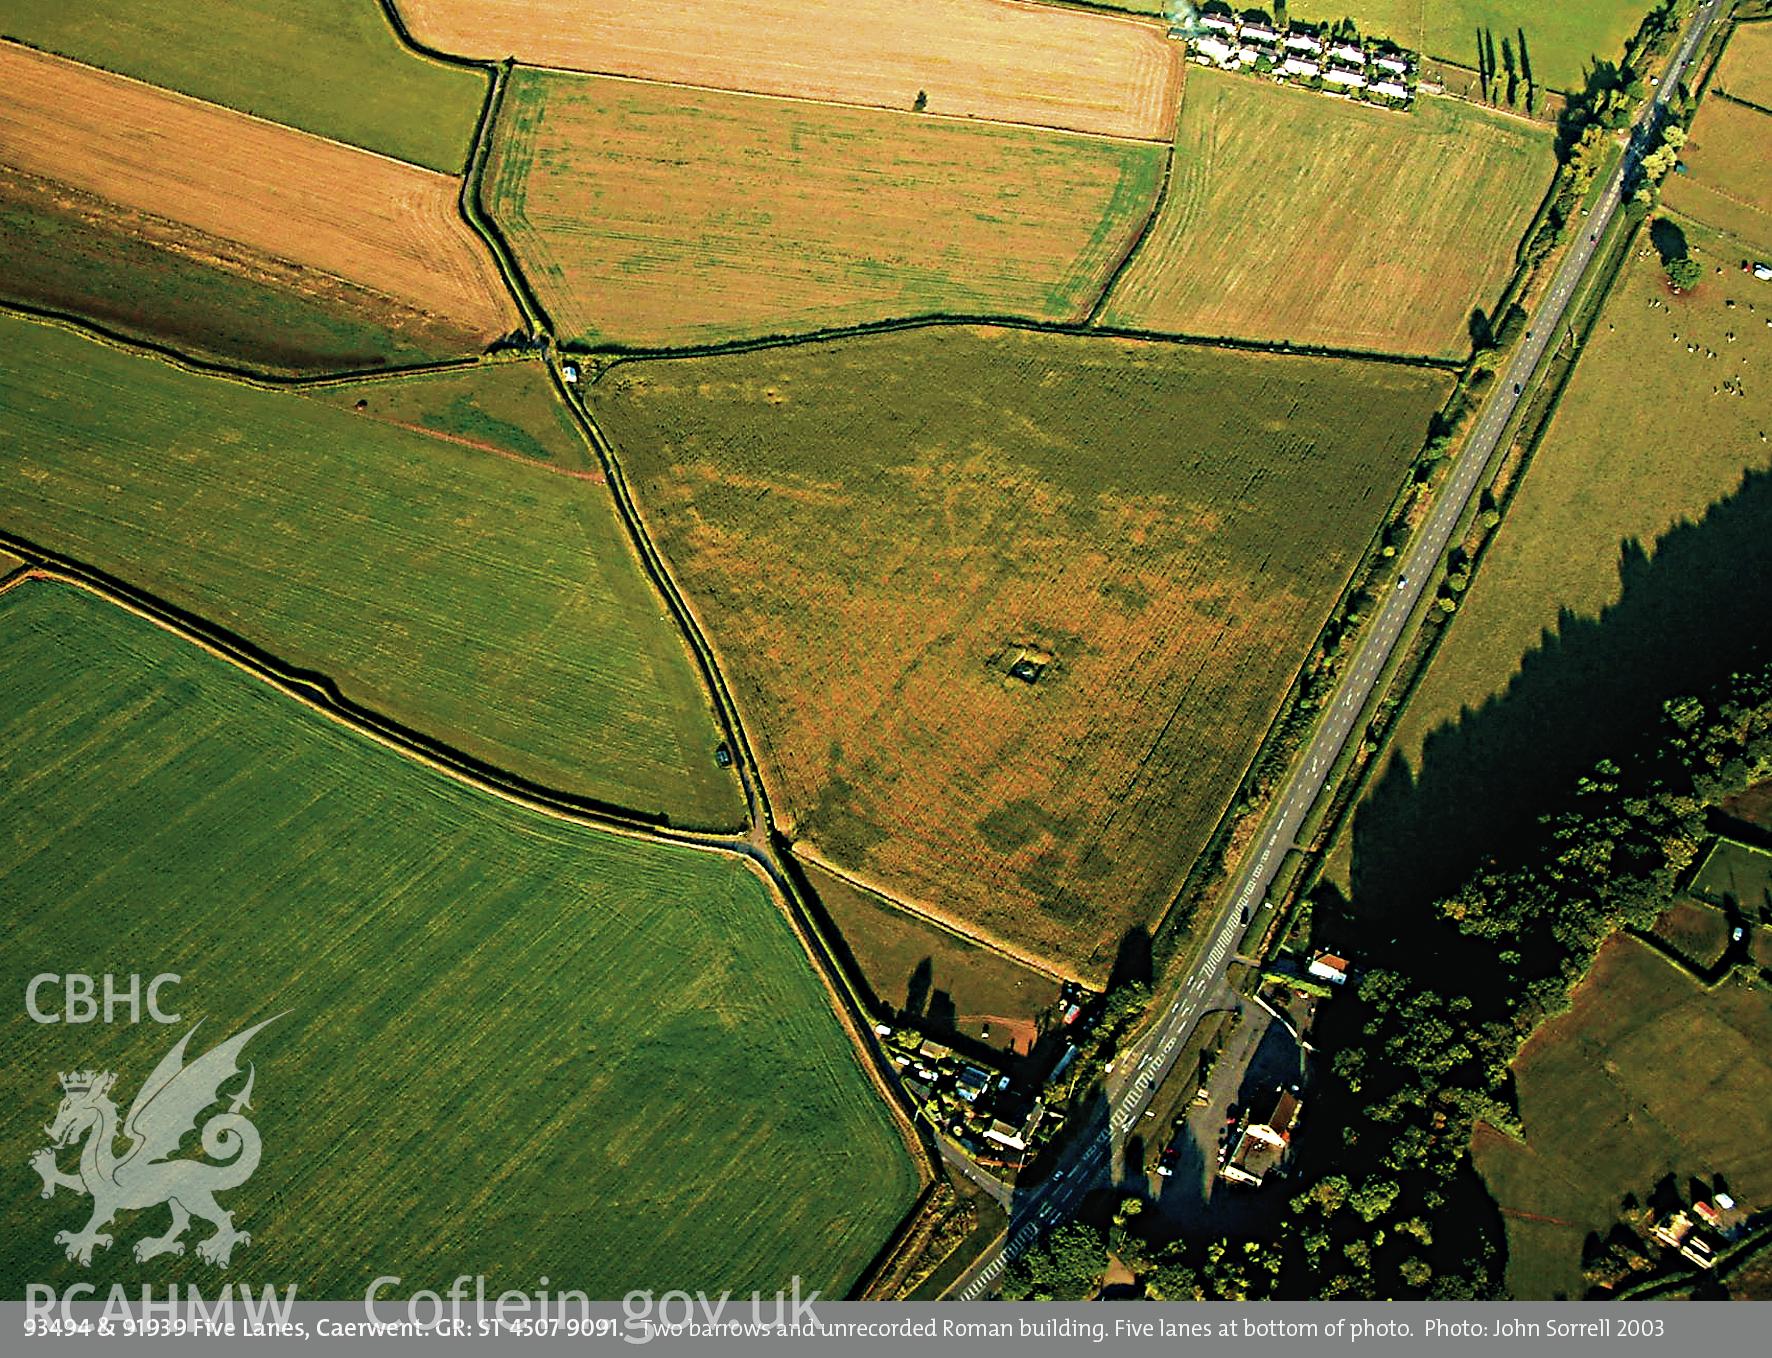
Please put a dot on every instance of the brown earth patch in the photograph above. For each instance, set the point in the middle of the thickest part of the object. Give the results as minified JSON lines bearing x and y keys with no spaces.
{"x":1011,"y":62}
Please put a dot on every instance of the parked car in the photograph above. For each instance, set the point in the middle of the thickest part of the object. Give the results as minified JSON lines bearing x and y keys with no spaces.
{"x":1167,"y":1161}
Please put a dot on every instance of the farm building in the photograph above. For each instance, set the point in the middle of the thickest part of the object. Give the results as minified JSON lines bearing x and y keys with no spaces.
{"x":1763,"y":272}
{"x":1328,"y":967}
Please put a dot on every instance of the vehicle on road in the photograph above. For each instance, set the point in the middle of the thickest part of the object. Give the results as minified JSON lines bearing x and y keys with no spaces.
{"x":1167,"y":1161}
{"x":1402,"y":580}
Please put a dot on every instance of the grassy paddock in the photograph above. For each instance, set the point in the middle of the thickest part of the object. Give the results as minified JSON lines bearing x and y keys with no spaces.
{"x":511,"y":1045}
{"x":1745,"y":71}
{"x":876,"y":531}
{"x":1727,"y":185}
{"x":1562,"y":40}
{"x":1295,"y":217}
{"x":1612,"y":582}
{"x":651,"y":215}
{"x":493,"y":604}
{"x":1737,"y":872}
{"x":1649,"y":1074}
{"x":1698,"y":932}
{"x":328,"y":66}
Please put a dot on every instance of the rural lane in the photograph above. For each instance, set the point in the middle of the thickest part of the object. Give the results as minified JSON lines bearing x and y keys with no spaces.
{"x":1142,"y":1066}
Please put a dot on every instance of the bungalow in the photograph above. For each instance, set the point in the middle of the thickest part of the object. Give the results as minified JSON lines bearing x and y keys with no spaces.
{"x":1390,"y":89}
{"x":1256,"y":33}
{"x":1215,"y":48}
{"x":1396,"y":65}
{"x":1352,"y":79}
{"x":1299,"y":66}
{"x":1005,"y":1135}
{"x":1303,"y":42}
{"x":1353,"y":56}
{"x":1328,"y":967}
{"x":1219,"y":23}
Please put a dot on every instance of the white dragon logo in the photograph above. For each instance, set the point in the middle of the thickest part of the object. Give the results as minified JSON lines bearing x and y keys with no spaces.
{"x":165,"y":1111}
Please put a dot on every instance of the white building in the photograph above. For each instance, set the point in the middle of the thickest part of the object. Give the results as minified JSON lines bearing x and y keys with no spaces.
{"x":1328,"y":967}
{"x":1256,"y":33}
{"x":1352,"y":79}
{"x":1390,"y":89}
{"x":1249,"y":56}
{"x":1302,"y":42}
{"x":1216,"y":48}
{"x":1219,"y":23}
{"x":1299,"y":66}
{"x":1763,"y":272}
{"x":1395,"y":65}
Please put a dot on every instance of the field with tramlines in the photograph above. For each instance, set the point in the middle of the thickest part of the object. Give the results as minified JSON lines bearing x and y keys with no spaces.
{"x":988,"y":59}
{"x":488,"y":601}
{"x":880,"y":534}
{"x":650,"y":215}
{"x":508,"y":1045}
{"x":1291,"y":217}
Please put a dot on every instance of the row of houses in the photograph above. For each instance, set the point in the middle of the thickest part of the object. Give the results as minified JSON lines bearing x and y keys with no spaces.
{"x":1233,"y":43}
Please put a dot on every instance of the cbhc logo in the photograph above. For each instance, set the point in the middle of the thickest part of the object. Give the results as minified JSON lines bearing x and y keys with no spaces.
{"x":82,"y":998}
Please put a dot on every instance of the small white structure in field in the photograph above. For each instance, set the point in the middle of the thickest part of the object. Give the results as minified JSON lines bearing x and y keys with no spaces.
{"x":1763,"y":272}
{"x":1390,"y":89}
{"x":1352,"y":79}
{"x":569,"y":371}
{"x":1299,"y":66}
{"x":1353,"y":56}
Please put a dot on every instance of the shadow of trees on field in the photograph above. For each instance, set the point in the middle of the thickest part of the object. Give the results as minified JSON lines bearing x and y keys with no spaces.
{"x":1667,"y":238}
{"x":1696,"y":608}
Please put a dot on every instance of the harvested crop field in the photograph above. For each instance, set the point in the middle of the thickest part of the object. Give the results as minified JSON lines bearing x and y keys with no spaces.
{"x":376,"y":242}
{"x":509,"y":1045}
{"x":1316,"y":221}
{"x":1007,"y":612}
{"x":648,"y":215}
{"x":994,"y":59}
{"x":941,"y":981}
{"x":1745,"y":72}
{"x":1696,"y":931}
{"x":1727,"y":185}
{"x":1648,"y":1074}
{"x":331,"y":67}
{"x":493,"y":604}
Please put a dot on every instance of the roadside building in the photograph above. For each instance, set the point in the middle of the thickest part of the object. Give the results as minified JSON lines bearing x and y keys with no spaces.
{"x":1390,"y":89}
{"x":1326,"y":966}
{"x":1352,"y":80}
{"x":1299,"y":66}
{"x":1215,"y":49}
{"x":1265,"y":1146}
{"x":1347,"y":52}
{"x":1005,"y":1135}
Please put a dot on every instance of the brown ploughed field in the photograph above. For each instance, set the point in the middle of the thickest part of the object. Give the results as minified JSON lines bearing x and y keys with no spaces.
{"x":234,"y":188}
{"x":1011,"y":62}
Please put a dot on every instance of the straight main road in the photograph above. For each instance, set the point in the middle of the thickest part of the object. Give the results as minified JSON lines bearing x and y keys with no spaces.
{"x":1142,"y":1066}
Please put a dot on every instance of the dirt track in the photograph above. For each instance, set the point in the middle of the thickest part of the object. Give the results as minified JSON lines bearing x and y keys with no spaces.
{"x":1023,"y":63}
{"x":380,"y":224}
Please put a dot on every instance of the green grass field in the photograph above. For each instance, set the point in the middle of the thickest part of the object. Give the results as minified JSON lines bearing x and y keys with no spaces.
{"x":1614,"y":580}
{"x":328,"y":66}
{"x":912,"y":965}
{"x":1316,"y":221}
{"x":1649,"y":1074}
{"x":511,"y":1045}
{"x":875,"y":532}
{"x":653,"y":215}
{"x":492,"y":603}
{"x":1562,"y":40}
{"x":103,"y":264}
{"x":1739,"y":873}
{"x":1745,"y":72}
